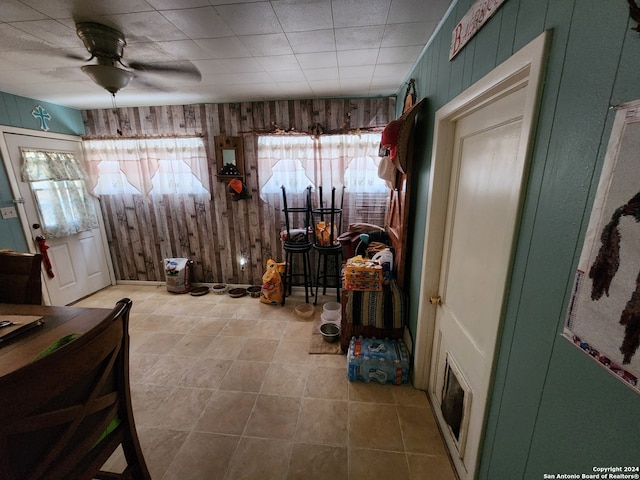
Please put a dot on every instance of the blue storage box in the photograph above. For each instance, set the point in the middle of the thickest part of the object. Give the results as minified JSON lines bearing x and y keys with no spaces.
{"x":385,"y":361}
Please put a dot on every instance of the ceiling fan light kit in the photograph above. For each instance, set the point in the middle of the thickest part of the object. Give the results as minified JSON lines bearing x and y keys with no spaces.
{"x":109,"y":77}
{"x":106,"y":45}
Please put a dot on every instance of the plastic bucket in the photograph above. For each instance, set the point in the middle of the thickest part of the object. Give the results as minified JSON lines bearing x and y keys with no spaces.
{"x":331,"y":316}
{"x":332,"y":307}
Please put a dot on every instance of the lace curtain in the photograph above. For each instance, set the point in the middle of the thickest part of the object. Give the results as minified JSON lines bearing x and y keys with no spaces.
{"x":57,"y":181}
{"x":147,"y":166}
{"x":328,"y":161}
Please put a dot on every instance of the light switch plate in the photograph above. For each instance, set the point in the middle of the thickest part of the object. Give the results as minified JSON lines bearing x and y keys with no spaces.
{"x":8,"y":212}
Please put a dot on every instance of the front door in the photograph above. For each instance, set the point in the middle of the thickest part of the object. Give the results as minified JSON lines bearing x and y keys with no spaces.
{"x":79,"y":262}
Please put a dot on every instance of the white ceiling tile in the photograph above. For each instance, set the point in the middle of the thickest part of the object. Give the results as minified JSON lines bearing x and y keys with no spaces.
{"x":226,"y":47}
{"x":286,"y":76}
{"x":360,"y":71}
{"x":303,"y":15}
{"x":404,"y":11}
{"x":240,"y":65}
{"x":392,"y":71}
{"x":14,"y":39}
{"x":279,"y":63}
{"x":315,"y":74}
{"x":414,"y":33}
{"x":367,"y":56}
{"x":265,"y":45}
{"x":317,"y":60}
{"x":52,"y":32}
{"x":399,"y":54}
{"x":359,"y":37}
{"x":199,"y":22}
{"x":324,"y":87}
{"x":359,"y":13}
{"x":142,"y":27}
{"x":315,"y":41}
{"x":208,"y":67}
{"x":250,"y":18}
{"x":296,"y":89}
{"x":183,"y":50}
{"x":82,"y":9}
{"x":177,"y":4}
{"x":14,"y":11}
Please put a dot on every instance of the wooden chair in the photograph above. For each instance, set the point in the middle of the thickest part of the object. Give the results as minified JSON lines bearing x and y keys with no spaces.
{"x":62,"y":416}
{"x":20,"y":278}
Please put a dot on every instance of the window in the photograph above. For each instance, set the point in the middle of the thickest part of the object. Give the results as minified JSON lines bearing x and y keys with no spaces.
{"x":147,"y":166}
{"x":328,"y":161}
{"x":57,"y":181}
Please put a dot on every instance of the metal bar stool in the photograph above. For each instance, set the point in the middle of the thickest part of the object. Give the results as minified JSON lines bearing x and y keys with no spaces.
{"x":328,"y":227}
{"x":296,"y":242}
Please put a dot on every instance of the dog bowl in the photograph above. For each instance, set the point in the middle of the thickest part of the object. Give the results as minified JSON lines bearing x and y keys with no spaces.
{"x":219,"y":288}
{"x":237,"y":292}
{"x":330,"y":332}
{"x":254,"y":290}
{"x":305,"y":310}
{"x":199,"y":291}
{"x":332,"y":307}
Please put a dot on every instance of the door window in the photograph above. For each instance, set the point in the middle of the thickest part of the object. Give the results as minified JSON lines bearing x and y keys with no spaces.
{"x":57,"y":181}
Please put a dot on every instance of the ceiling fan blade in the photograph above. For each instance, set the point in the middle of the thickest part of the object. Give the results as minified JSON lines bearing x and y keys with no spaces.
{"x":186,"y":69}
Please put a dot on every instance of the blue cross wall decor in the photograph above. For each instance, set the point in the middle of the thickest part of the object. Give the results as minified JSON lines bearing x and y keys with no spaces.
{"x":43,"y":116}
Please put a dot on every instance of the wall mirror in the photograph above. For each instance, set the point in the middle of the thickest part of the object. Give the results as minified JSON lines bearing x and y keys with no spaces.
{"x":229,"y":157}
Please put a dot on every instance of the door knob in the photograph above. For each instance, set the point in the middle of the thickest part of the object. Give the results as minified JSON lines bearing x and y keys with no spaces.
{"x":36,"y":226}
{"x":437,"y":300}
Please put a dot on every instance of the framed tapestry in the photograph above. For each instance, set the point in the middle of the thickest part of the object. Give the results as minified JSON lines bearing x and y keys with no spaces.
{"x":603,"y":318}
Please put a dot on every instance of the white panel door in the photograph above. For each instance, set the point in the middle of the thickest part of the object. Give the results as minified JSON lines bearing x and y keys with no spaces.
{"x":79,"y":261}
{"x":482,"y":211}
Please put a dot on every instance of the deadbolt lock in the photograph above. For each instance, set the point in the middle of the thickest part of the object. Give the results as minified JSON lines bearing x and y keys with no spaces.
{"x":437,"y":300}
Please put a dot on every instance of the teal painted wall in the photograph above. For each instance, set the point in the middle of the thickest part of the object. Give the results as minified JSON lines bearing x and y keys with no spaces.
{"x":553,"y":409}
{"x":16,"y":112}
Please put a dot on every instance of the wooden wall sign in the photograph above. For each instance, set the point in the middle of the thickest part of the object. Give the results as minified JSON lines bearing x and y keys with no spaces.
{"x":479,"y":13}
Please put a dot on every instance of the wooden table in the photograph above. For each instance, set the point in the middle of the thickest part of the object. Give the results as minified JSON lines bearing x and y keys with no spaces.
{"x":58,"y":322}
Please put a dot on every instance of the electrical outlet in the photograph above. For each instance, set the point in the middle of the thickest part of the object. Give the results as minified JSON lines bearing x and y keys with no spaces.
{"x":8,"y":212}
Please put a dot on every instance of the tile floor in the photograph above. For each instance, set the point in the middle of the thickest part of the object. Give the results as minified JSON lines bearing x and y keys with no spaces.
{"x":225,"y":389}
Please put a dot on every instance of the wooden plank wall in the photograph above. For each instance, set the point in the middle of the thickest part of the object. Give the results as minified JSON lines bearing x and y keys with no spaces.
{"x":214,"y":233}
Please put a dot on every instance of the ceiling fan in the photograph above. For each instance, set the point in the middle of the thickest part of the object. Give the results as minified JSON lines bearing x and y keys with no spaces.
{"x":106,"y":45}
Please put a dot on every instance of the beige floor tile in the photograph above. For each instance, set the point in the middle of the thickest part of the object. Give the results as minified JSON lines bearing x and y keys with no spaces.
{"x":239,"y":327}
{"x":169,"y":370}
{"x":208,"y":325}
{"x":159,"y":343}
{"x":367,"y":464}
{"x":258,"y":350}
{"x":182,"y":408}
{"x":159,"y":447}
{"x":191,"y":345}
{"x":374,"y":426}
{"x":371,"y":392}
{"x":146,"y":401}
{"x":408,"y":396}
{"x":244,"y":376}
{"x":269,"y":329}
{"x":430,"y":467}
{"x":274,"y":417}
{"x":286,"y":380}
{"x":203,"y":456}
{"x":293,"y":351}
{"x":225,"y":347}
{"x":323,"y":421}
{"x":335,"y":361}
{"x":319,"y":462}
{"x":206,"y":373}
{"x":227,"y":412}
{"x":327,"y":382}
{"x":260,"y":459}
{"x":420,"y":431}
{"x":298,"y":330}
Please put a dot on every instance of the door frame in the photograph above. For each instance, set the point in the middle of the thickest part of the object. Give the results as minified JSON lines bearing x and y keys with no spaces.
{"x":525,"y":69}
{"x":19,"y":206}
